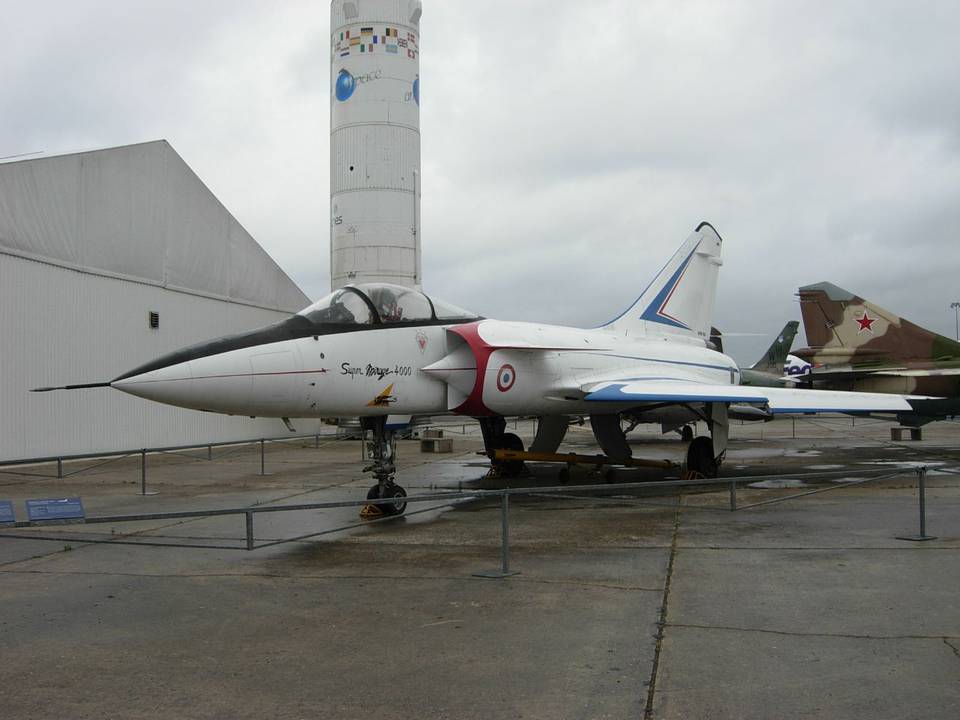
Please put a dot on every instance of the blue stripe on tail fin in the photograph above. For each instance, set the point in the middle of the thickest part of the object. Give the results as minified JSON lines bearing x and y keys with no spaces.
{"x":679,"y":301}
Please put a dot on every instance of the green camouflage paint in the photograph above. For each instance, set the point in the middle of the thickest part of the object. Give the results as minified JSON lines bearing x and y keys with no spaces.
{"x":857,"y":345}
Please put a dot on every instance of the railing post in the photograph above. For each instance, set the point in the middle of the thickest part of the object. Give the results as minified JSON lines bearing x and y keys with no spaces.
{"x":505,"y":533}
{"x":504,"y":570}
{"x":249,"y":523}
{"x":316,"y":442}
{"x":262,"y":461}
{"x":143,"y":472}
{"x":60,"y":468}
{"x":209,"y":452}
{"x":733,"y":495}
{"x":921,"y":491}
{"x":921,"y":476}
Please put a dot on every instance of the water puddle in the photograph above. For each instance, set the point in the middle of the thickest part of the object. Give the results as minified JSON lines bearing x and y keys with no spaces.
{"x":778,"y":484}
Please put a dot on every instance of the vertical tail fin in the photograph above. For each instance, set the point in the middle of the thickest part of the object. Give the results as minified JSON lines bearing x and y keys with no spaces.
{"x":775,"y":357}
{"x":844,"y":328}
{"x":679,"y":301}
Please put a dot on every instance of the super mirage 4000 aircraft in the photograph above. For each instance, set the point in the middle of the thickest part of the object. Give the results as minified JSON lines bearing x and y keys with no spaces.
{"x":378,"y":350}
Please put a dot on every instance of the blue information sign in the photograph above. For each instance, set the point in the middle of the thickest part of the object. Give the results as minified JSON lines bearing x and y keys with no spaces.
{"x":6,"y":512}
{"x":55,"y":509}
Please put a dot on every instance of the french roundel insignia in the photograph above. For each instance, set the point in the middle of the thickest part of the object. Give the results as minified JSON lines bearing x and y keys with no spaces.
{"x":506,"y":378}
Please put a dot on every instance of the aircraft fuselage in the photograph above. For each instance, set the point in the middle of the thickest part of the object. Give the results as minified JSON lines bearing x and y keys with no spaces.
{"x":479,"y":368}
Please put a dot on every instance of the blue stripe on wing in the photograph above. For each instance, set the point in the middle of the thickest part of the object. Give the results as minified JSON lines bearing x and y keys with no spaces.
{"x":615,"y":393}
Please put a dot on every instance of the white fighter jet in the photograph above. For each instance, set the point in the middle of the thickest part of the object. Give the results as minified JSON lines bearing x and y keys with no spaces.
{"x":379,"y":350}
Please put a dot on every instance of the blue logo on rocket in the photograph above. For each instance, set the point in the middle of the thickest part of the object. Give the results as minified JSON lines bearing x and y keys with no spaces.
{"x":345,"y":85}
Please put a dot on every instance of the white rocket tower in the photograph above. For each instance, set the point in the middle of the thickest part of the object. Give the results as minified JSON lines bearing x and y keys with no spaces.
{"x":375,"y":141}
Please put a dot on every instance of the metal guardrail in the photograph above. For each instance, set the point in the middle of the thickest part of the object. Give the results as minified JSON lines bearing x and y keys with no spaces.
{"x":449,"y":499}
{"x":114,"y":455}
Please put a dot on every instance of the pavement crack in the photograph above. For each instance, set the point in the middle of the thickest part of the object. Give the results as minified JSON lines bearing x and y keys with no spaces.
{"x":583,"y":584}
{"x":662,"y":620}
{"x":341,"y":576}
{"x":794,"y":633}
{"x":815,"y":548}
{"x":956,"y":650}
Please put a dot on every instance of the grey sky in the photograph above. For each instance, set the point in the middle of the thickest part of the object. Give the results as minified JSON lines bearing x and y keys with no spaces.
{"x":568,"y":148}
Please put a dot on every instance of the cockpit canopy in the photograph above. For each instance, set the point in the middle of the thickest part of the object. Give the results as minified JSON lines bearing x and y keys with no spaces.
{"x":381,"y":304}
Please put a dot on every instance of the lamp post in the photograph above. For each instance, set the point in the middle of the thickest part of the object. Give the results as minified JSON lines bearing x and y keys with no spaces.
{"x":956,"y":313}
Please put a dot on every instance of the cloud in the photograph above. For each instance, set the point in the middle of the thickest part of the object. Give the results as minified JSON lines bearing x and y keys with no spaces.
{"x":567,"y":148}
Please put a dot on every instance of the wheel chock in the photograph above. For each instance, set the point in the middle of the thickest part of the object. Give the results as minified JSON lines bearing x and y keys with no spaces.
{"x":371,"y":512}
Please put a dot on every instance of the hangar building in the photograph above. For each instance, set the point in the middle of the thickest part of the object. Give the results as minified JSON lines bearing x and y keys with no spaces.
{"x":108,"y":259}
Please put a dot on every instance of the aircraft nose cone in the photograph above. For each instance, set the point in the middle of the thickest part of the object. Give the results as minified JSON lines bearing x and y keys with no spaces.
{"x":217,"y":383}
{"x":167,"y":385}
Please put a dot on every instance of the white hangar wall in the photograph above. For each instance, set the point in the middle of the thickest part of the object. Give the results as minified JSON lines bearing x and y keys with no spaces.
{"x":90,"y":244}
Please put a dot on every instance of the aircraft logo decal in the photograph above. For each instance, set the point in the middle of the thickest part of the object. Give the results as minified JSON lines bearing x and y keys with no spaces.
{"x":804,"y":369}
{"x":376,"y":371}
{"x":506,"y":377}
{"x":866,"y":323}
{"x":421,"y":341}
{"x":384,"y":398}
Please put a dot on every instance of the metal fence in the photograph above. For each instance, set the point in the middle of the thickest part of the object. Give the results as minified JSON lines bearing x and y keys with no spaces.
{"x":502,"y":496}
{"x":115,"y":455}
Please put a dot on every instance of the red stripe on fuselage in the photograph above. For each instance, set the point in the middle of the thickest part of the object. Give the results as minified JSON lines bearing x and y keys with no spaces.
{"x":473,"y":405}
{"x":321,"y":371}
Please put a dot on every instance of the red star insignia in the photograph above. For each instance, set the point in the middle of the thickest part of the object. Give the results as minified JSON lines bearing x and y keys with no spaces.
{"x":866,"y":323}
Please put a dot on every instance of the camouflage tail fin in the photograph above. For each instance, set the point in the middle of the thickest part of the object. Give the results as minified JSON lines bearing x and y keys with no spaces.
{"x":842,"y":327}
{"x":775,"y":357}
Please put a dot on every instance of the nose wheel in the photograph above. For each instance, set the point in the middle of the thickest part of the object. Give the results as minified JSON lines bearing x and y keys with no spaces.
{"x":392,"y":490}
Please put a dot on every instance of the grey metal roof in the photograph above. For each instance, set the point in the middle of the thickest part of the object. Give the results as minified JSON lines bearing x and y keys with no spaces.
{"x":137,"y":212}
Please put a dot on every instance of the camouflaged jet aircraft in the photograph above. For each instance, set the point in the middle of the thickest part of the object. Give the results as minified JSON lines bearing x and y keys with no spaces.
{"x":857,"y":345}
{"x":768,"y":370}
{"x":377,"y":350}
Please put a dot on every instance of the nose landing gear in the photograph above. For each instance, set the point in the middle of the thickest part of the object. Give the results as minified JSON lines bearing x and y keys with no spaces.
{"x":381,"y":448}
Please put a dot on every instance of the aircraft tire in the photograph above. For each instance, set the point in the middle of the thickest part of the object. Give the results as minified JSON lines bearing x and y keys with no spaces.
{"x":397,"y":508}
{"x":700,"y":457}
{"x":511,"y":441}
{"x":393,"y":491}
{"x":686,"y":433}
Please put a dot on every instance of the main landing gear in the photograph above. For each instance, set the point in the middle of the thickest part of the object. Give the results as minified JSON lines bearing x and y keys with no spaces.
{"x":705,"y":454}
{"x":700,"y":458}
{"x":495,"y":437}
{"x":381,"y":448}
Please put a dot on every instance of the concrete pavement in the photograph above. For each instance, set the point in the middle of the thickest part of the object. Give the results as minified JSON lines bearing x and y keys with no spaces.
{"x":675,"y":608}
